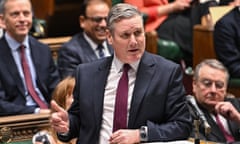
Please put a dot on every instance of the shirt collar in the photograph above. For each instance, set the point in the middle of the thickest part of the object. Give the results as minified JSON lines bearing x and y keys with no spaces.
{"x":119,"y":64}
{"x":92,"y":43}
{"x":13,"y":44}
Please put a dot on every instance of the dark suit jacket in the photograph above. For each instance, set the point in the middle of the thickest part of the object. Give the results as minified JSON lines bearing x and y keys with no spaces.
{"x":74,"y":52}
{"x":216,"y":135}
{"x":227,"y":41}
{"x":12,"y":98}
{"x":158,"y":100}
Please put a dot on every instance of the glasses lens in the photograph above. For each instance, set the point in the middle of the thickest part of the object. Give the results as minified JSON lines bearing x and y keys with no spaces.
{"x":97,"y":19}
{"x":208,"y":83}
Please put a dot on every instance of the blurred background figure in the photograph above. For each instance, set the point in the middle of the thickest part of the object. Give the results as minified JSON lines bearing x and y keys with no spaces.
{"x":173,"y":20}
{"x":1,"y":24}
{"x":63,"y":92}
{"x":227,"y":41}
{"x":63,"y":96}
{"x":26,"y":78}
{"x":90,"y":44}
{"x":43,"y":137}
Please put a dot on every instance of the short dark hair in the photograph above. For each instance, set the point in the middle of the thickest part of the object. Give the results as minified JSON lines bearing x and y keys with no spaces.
{"x":86,"y":3}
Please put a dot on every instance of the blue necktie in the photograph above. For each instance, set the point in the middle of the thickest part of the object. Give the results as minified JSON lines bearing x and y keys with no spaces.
{"x":100,"y":51}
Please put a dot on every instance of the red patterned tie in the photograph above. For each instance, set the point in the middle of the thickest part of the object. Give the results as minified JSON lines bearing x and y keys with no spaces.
{"x":28,"y":80}
{"x":121,"y":102}
{"x":227,"y":136}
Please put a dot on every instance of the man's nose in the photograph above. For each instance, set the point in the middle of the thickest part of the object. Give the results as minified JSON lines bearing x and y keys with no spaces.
{"x":103,"y":22}
{"x":213,"y":87}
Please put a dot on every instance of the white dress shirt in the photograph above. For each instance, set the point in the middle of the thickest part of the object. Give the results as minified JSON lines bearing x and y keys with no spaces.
{"x":110,"y":95}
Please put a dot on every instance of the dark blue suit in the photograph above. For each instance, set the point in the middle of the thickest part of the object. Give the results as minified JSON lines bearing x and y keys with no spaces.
{"x":74,"y":52}
{"x":158,"y":100}
{"x":12,"y":97}
{"x":216,"y":134}
{"x":227,"y":41}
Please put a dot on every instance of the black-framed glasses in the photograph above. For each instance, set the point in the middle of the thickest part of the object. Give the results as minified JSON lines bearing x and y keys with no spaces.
{"x":208,"y":83}
{"x":97,"y":19}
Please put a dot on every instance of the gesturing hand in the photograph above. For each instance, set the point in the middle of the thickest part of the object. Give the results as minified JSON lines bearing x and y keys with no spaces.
{"x":59,"y":118}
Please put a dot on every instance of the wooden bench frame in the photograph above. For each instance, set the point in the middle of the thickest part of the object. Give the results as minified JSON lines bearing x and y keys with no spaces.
{"x":55,"y":43}
{"x":22,"y":127}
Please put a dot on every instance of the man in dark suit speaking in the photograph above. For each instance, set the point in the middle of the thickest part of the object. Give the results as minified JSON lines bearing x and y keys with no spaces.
{"x":131,"y":97}
{"x":27,"y":72}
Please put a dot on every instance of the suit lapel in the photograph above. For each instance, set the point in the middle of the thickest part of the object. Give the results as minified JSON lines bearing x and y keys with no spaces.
{"x":215,"y":130}
{"x":100,"y":80}
{"x":110,"y":49}
{"x":145,"y":74}
{"x":10,"y":65}
{"x":89,"y":54}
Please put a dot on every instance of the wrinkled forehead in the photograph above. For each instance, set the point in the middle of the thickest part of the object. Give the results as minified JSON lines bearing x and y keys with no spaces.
{"x":12,"y":5}
{"x":134,"y":22}
{"x":212,"y":73}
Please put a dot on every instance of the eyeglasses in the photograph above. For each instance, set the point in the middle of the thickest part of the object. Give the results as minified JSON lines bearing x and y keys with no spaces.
{"x":208,"y":83}
{"x":97,"y":19}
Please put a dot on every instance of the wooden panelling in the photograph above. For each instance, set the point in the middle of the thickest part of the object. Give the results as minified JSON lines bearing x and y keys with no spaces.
{"x":55,"y":44}
{"x":203,"y":46}
{"x":22,"y":127}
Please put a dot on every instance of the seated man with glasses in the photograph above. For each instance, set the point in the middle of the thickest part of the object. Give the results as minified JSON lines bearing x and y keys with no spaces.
{"x":221,"y":112}
{"x":89,"y":44}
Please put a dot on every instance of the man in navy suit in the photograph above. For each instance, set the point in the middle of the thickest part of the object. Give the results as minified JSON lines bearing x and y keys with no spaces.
{"x":15,"y":97}
{"x":155,"y":109}
{"x":83,"y":47}
{"x":227,"y":41}
{"x":210,"y":90}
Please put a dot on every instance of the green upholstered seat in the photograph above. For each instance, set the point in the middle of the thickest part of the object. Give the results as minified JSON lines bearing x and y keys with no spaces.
{"x":116,"y":1}
{"x":234,"y":82}
{"x":169,"y":50}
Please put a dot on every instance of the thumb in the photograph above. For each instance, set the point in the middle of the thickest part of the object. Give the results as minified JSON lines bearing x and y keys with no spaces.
{"x":55,"y":107}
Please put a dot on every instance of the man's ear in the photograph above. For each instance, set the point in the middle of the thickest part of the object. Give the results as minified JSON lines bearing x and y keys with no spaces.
{"x":82,"y":21}
{"x":109,"y":37}
{"x":194,"y":85}
{"x":2,"y":23}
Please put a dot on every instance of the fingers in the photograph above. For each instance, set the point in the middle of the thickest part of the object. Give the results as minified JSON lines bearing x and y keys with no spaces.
{"x":55,"y":107}
{"x":125,"y":136}
{"x":59,"y":118}
{"x":226,"y":109}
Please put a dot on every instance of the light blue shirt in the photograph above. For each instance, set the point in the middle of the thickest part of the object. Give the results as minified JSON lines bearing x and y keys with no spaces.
{"x":14,"y":46}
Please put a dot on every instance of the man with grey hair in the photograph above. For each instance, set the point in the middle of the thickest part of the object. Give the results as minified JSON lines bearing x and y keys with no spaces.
{"x":130,"y":97}
{"x":28,"y":74}
{"x":210,"y":82}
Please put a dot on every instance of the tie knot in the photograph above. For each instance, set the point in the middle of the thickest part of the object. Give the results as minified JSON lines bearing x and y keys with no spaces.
{"x":100,"y":51}
{"x":22,"y":47}
{"x":126,"y":67}
{"x":100,"y":47}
